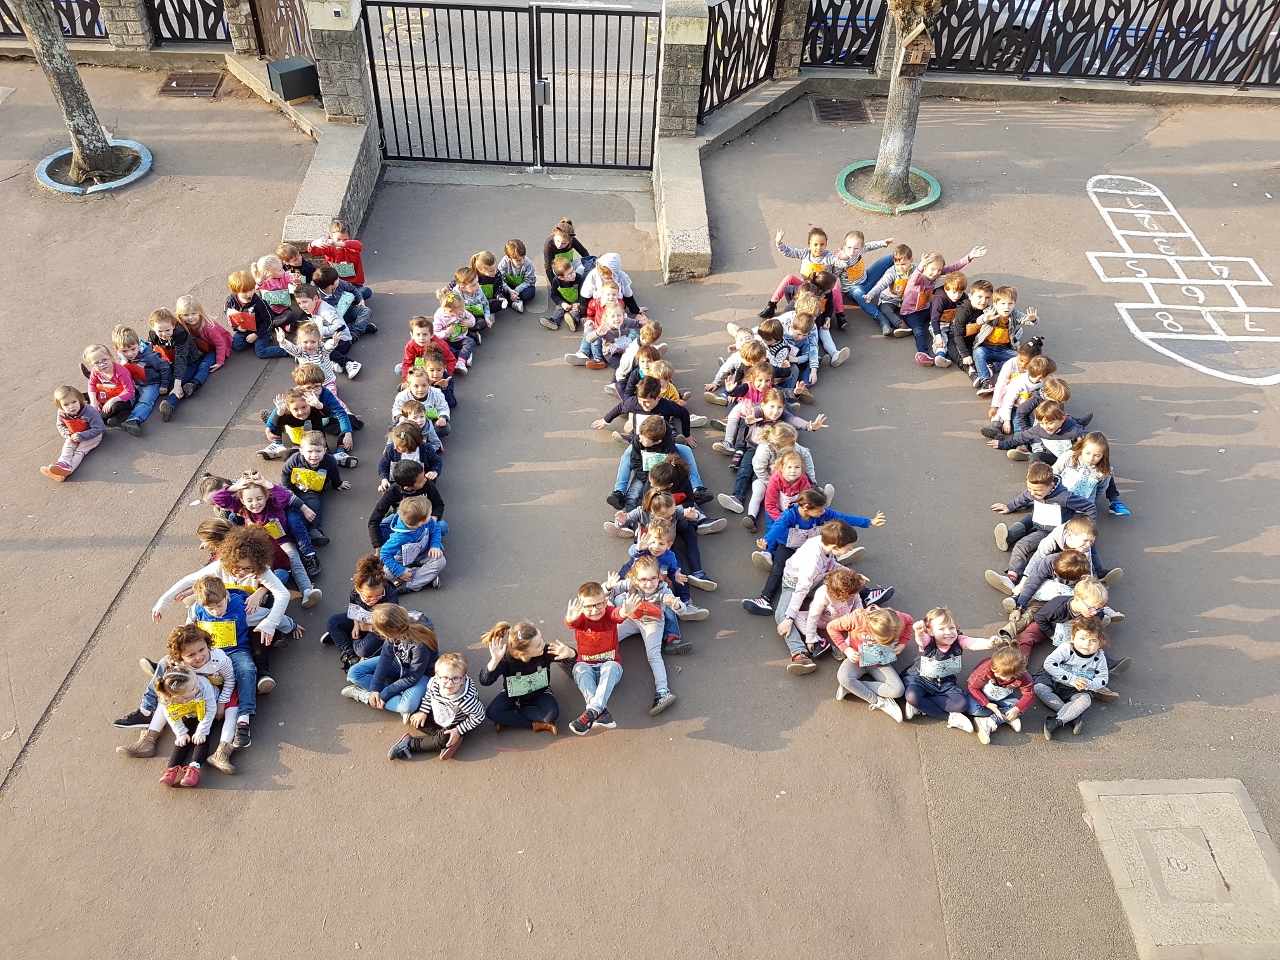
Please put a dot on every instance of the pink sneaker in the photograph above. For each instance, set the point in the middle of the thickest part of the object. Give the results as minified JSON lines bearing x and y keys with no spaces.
{"x":924,"y":359}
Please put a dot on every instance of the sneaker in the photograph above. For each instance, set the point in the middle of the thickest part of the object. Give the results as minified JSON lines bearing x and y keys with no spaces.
{"x":621,"y":438}
{"x":661,"y":701}
{"x":353,"y":367}
{"x":56,"y":471}
{"x":801,"y":663}
{"x":244,"y":735}
{"x":759,"y":606}
{"x":841,"y":692}
{"x":910,"y":711}
{"x":763,"y":559}
{"x":135,"y":719}
{"x":273,"y":451}
{"x":517,"y":305}
{"x":1085,"y":420}
{"x":549,"y":323}
{"x":1077,"y":725}
{"x":690,"y":611}
{"x":437,"y":583}
{"x":311,"y":597}
{"x":823,"y":645}
{"x":888,"y":706}
{"x":166,"y":410}
{"x":712,"y":526}
{"x":612,"y":388}
{"x":1001,"y":581}
{"x":461,"y":366}
{"x":596,"y":365}
{"x":1116,"y":507}
{"x":721,"y":447}
{"x":736,"y":461}
{"x":992,"y":432}
{"x":984,"y":727}
{"x":924,"y":359}
{"x":886,"y":331}
{"x":1112,"y":576}
{"x":941,"y":360}
{"x":697,"y":420}
{"x":605,"y":719}
{"x":1120,"y":666}
{"x":1002,"y":537}
{"x":1008,"y":604}
{"x":584,"y":723}
{"x":616,"y":499}
{"x":147,"y":666}
{"x":349,"y":660}
{"x":311,"y":564}
{"x":190,"y":387}
{"x":829,"y":491}
{"x":851,"y":555}
{"x":1106,"y":695}
{"x":578,"y":359}
{"x":571,"y":322}
{"x":326,"y":637}
{"x":901,"y":330}
{"x":358,"y":694}
{"x":770,"y":310}
{"x":749,"y":522}
{"x":1112,"y":616}
{"x":675,"y":645}
{"x":730,"y":502}
{"x":615,"y":528}
{"x":700,"y":580}
{"x":475,"y":335}
{"x":369,"y":329}
{"x":133,"y":427}
{"x":190,"y":777}
{"x":840,"y":357}
{"x":702,"y":495}
{"x":319,"y":538}
{"x":402,"y":749}
{"x":806,"y":398}
{"x":1051,"y":726}
{"x":958,"y":721}
{"x":985,"y":388}
{"x":879,"y":595}
{"x":345,"y":459}
{"x":266,"y":684}
{"x":719,"y":399}
{"x":1018,"y":453}
{"x":170,"y":776}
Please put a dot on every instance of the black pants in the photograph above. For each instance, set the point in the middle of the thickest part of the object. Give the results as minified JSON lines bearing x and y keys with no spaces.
{"x":525,"y":712}
{"x":191,"y":752}
{"x":780,"y":557}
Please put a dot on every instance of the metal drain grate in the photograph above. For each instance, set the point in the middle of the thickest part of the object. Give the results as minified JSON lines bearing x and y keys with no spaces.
{"x":191,"y":84}
{"x":827,"y":110}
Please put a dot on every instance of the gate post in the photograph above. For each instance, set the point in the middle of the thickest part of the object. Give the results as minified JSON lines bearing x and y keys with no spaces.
{"x":128,"y":24}
{"x":789,"y":49}
{"x":342,"y":63}
{"x":240,"y":27}
{"x":684,"y":41}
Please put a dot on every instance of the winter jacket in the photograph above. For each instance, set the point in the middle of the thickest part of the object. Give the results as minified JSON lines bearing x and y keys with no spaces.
{"x":390,"y":502}
{"x":180,"y":352}
{"x":1059,"y":506}
{"x":401,"y":664}
{"x":405,"y":546}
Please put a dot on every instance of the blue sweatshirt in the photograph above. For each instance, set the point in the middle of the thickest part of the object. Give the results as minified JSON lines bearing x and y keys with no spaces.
{"x":791,"y":529}
{"x":229,"y":631}
{"x":428,"y":536}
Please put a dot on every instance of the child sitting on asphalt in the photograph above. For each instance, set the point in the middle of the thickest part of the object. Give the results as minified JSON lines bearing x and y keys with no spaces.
{"x":518,"y":274}
{"x":567,"y":304}
{"x":661,"y":505}
{"x":856,"y":278}
{"x":419,"y":386}
{"x":653,"y":619}
{"x":406,"y":442}
{"x":942,"y":312}
{"x":307,"y":474}
{"x":494,"y":288}
{"x":838,"y":596}
{"x":1052,"y":505}
{"x":450,"y":710}
{"x":345,"y":255}
{"x":171,"y":342}
{"x":1053,"y":430}
{"x":563,"y":244}
{"x":869,"y":640}
{"x":1071,"y":675}
{"x":598,"y":668}
{"x":772,"y":410}
{"x":466,"y":282}
{"x":414,"y":552}
{"x":773,"y":443}
{"x":813,"y":257}
{"x":301,"y":410}
{"x":190,"y":706}
{"x":1086,"y":467}
{"x":408,"y":479}
{"x":1000,"y":691}
{"x":344,"y":297}
{"x":454,"y":325}
{"x":422,"y":338}
{"x":111,"y":389}
{"x":998,"y":337}
{"x":396,"y":678}
{"x":521,"y":658}
{"x":932,"y":684}
{"x":352,"y":630}
{"x":917,"y":298}
{"x":250,"y":317}
{"x":336,"y":336}
{"x":259,"y":502}
{"x":81,"y":428}
{"x":213,"y":341}
{"x":746,"y":353}
{"x":807,"y":567}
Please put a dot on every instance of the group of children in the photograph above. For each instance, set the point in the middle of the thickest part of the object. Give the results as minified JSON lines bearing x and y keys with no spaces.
{"x":266,"y":533}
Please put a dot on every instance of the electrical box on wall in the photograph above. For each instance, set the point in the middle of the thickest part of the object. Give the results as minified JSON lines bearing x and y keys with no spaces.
{"x":294,"y":79}
{"x":333,"y":14}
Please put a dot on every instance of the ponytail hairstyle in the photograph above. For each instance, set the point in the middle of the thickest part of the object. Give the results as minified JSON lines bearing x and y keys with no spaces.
{"x":774,"y":395}
{"x":405,"y":435}
{"x":209,"y":484}
{"x":451,"y":300}
{"x":791,"y":456}
{"x":391,"y":622}
{"x":565,"y":229}
{"x":519,"y":638}
{"x":484,"y":262}
{"x":1094,"y":439}
{"x":369,"y":572}
{"x":213,"y":530}
{"x":658,"y":500}
{"x":682,"y":473}
{"x":178,"y":684}
{"x":1030,"y":348}
{"x":663,"y":474}
{"x":781,"y":437}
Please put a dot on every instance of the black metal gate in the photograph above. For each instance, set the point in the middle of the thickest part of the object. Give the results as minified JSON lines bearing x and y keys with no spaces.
{"x":742,"y":41}
{"x":526,"y":86}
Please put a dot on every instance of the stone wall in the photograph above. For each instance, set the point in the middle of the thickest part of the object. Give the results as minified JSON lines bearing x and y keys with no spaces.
{"x":795,"y":17}
{"x":680,"y":77}
{"x":244,"y":39}
{"x":127,"y":24}
{"x":342,"y":65}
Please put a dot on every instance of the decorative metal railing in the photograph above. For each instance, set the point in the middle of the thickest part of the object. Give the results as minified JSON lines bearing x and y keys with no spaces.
{"x":80,"y":19}
{"x":742,"y":38}
{"x":283,"y":30}
{"x":188,"y":21}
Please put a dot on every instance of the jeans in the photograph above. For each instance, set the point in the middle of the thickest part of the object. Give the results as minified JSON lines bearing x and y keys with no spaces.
{"x":650,"y":632}
{"x":829,"y":345}
{"x":525,"y":712}
{"x":869,"y":280}
{"x":340,"y":628}
{"x":976,"y":709}
{"x":361,"y":674}
{"x":795,"y":642}
{"x":299,"y":573}
{"x":316,"y":503}
{"x":358,"y":320}
{"x":686,"y":454}
{"x":937,"y":698}
{"x":920,"y":329}
{"x":746,"y":472}
{"x":263,"y":346}
{"x":201,"y":373}
{"x":1028,"y":538}
{"x":596,"y":681}
{"x":624,"y":470}
{"x":144,"y":402}
{"x":592,"y":348}
{"x":870,"y":683}
{"x":462,"y":348}
{"x":245,"y":664}
{"x":991,"y":356}
{"x":298,"y":530}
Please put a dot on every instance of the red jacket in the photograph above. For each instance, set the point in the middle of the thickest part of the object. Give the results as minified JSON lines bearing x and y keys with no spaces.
{"x":779,"y":494}
{"x":982,"y":675}
{"x":413,"y":353}
{"x":341,"y":251}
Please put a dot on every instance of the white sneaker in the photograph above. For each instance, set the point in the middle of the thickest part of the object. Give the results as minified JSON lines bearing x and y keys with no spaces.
{"x":841,"y":692}
{"x":615,"y":528}
{"x":517,"y":305}
{"x":958,"y":721}
{"x":697,"y":420}
{"x":399,"y":369}
{"x":910,"y":711}
{"x":691,"y":612}
{"x":662,"y":349}
{"x":1015,"y":724}
{"x":733,"y":329}
{"x":273,"y":451}
{"x":840,"y":357}
{"x":985,"y":727}
{"x":353,"y":367}
{"x":888,"y":706}
{"x":829,"y":491}
{"x":941,"y":360}
{"x":461,"y":366}
{"x":851,"y":556}
{"x":311,"y":597}
{"x":763,"y":559}
{"x":730,"y":502}
{"x":502,"y":303}
{"x":578,"y":359}
{"x":703,"y":583}
{"x":721,"y":447}
{"x":712,"y":526}
{"x":358,"y":694}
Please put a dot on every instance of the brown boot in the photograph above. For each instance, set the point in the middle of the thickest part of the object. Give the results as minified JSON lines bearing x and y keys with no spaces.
{"x":539,"y":727}
{"x":145,"y":747}
{"x":221,"y":758}
{"x":1106,"y":695}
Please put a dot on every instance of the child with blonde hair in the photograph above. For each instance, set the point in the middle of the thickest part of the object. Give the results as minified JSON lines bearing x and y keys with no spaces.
{"x":521,"y":658}
{"x":454,"y":325}
{"x":190,"y":705}
{"x":111,"y":388}
{"x":598,"y":667}
{"x":212,"y":340}
{"x":932,"y":686}
{"x":518,"y":274}
{"x":1000,"y":691}
{"x":152,"y":375}
{"x":274,"y":284}
{"x":785,"y":483}
{"x":466,"y":282}
{"x":250,"y":317}
{"x":654,"y":620}
{"x":450,"y":710}
{"x":396,"y":679}
{"x":81,"y":428}
{"x":1086,"y":467}
{"x":869,"y":641}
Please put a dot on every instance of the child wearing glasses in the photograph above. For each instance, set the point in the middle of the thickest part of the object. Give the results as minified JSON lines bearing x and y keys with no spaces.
{"x":450,"y":709}
{"x":598,"y":667}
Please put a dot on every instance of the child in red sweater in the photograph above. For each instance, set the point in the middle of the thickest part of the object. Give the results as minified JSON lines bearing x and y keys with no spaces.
{"x":785,"y":483}
{"x":598,"y":669}
{"x":421,"y":339}
{"x":343,"y":254}
{"x":1000,"y":690}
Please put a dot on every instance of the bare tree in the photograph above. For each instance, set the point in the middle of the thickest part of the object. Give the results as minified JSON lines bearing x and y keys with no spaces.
{"x":890,"y":184}
{"x":93,"y":159}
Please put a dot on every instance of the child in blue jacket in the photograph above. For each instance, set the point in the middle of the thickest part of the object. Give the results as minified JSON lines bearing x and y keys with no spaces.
{"x":414,"y":554}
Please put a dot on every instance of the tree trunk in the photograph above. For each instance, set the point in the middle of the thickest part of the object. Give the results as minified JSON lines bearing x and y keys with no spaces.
{"x":890,"y":185}
{"x":93,"y":159}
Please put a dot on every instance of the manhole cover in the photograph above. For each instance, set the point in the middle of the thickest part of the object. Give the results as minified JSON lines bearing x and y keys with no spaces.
{"x":1196,"y":872}
{"x":827,"y":110}
{"x":190,"y":84}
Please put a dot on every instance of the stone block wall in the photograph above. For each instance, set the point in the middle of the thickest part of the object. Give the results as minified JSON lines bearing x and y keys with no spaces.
{"x":795,"y":17}
{"x":127,"y":24}
{"x":680,"y":76}
{"x":244,"y":39}
{"x":342,"y":65}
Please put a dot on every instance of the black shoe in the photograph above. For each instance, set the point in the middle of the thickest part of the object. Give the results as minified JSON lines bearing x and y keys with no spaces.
{"x":841,"y":322}
{"x":606,"y":720}
{"x":770,"y":311}
{"x":326,"y":637}
{"x":311,"y":563}
{"x":1051,"y":726}
{"x":584,"y":723}
{"x":403,"y":749}
{"x":349,"y":660}
{"x":356,"y":422}
{"x":703,"y":495}
{"x":244,"y":736}
{"x":190,"y":387}
{"x":1077,"y":725}
{"x":148,"y":665}
{"x":135,"y":719}
{"x":759,"y":606}
{"x":370,"y":329}
{"x":616,"y":499}
{"x":113,"y":421}
{"x":551,"y":324}
{"x":1119,"y":666}
{"x":319,"y":538}
{"x":1085,"y":420}
{"x":263,"y":414}
{"x":736,"y":462}
{"x":878,"y":596}
{"x":819,"y":648}
{"x":992,"y":432}
{"x":475,"y":335}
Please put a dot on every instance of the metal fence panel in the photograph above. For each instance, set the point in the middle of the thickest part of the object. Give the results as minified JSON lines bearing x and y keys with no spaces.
{"x":742,"y":40}
{"x":80,"y":20}
{"x":188,"y":21}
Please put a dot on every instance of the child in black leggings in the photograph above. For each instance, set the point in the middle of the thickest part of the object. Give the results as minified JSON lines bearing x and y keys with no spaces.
{"x":190,"y":705}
